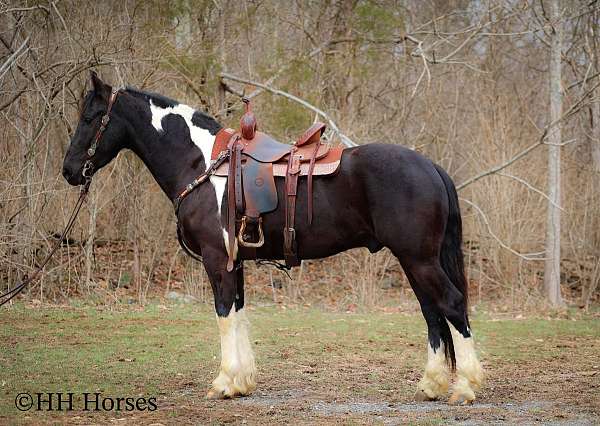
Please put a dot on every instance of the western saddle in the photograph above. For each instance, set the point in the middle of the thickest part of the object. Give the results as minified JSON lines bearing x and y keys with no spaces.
{"x":251,"y":160}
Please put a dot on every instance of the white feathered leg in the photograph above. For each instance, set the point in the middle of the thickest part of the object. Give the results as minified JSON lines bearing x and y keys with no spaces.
{"x":237,"y":375}
{"x":469,"y":374}
{"x":434,"y":382}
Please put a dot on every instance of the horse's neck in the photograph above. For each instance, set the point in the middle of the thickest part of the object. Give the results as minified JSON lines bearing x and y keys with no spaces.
{"x":174,"y":157}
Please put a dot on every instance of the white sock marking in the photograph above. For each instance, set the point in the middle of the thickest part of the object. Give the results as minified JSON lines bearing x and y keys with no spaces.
{"x":238,"y":368}
{"x":468,"y":370}
{"x":434,"y":382}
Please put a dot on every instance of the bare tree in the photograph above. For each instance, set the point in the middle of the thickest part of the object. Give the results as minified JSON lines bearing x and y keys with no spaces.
{"x":552,"y":263}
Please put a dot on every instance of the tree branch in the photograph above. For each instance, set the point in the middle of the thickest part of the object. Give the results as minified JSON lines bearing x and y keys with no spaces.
{"x":21,"y":50}
{"x":525,"y":256}
{"x":271,"y":79}
{"x":531,"y":187}
{"x":345,"y":139}
{"x":541,"y":141}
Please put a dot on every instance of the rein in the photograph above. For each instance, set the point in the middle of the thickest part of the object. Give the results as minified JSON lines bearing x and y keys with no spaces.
{"x":87,"y":173}
{"x":199,"y":180}
{"x":6,"y":297}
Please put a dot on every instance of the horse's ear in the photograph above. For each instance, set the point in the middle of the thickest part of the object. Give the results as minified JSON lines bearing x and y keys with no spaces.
{"x":100,"y":88}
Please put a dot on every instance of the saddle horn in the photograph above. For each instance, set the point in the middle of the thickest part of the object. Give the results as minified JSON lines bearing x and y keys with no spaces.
{"x":248,"y":122}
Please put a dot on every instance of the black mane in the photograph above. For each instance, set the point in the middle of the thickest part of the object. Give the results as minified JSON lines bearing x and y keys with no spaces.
{"x":200,"y":119}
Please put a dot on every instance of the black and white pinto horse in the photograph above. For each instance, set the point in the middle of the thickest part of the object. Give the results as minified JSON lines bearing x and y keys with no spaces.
{"x":383,"y":196}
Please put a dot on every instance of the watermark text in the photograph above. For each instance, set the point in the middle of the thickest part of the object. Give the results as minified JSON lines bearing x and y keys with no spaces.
{"x":86,"y":401}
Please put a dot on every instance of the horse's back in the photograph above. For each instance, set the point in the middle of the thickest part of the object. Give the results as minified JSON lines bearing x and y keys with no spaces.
{"x":392,"y":169}
{"x":404,"y":192}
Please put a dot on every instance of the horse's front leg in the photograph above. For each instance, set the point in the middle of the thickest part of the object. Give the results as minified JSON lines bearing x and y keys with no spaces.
{"x":237,"y":375}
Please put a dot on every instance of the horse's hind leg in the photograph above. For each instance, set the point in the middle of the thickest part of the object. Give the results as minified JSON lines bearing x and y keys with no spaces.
{"x":435,"y":380}
{"x":469,"y":374}
{"x":445,"y":311}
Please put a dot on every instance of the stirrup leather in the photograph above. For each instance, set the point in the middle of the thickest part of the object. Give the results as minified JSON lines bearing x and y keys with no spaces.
{"x":261,"y":236}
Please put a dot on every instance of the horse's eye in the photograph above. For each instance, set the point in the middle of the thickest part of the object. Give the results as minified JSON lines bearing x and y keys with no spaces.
{"x":88,"y":119}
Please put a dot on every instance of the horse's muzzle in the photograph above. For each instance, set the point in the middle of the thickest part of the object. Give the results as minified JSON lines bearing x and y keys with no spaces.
{"x":72,"y":177}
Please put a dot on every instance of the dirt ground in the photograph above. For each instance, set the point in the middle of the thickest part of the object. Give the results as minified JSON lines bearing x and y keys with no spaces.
{"x":315,"y":367}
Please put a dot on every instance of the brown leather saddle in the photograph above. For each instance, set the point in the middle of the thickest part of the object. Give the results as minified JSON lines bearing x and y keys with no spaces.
{"x":253,"y":161}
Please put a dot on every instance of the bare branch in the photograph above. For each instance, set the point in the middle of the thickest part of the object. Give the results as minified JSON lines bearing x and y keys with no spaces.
{"x":541,"y":141}
{"x":345,"y":139}
{"x":525,"y":256}
{"x":271,"y":79}
{"x":27,"y":9}
{"x":533,"y":188}
{"x":21,"y":50}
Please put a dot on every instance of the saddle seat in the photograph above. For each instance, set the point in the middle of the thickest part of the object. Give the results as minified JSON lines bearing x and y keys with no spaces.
{"x":253,"y":160}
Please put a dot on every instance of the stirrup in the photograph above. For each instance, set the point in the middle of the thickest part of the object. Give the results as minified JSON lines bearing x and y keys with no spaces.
{"x":261,"y":236}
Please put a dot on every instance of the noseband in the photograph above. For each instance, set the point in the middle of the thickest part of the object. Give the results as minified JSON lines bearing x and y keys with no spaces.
{"x":88,"y":166}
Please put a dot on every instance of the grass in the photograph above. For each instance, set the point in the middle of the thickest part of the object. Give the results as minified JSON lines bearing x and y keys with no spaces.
{"x":305,"y":357}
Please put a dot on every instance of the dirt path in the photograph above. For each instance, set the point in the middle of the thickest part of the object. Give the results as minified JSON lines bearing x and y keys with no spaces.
{"x":314,"y":367}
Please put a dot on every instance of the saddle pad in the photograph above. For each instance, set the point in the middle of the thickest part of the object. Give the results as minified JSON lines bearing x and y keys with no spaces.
{"x":323,"y":167}
{"x":279,"y":169}
{"x":319,"y":170}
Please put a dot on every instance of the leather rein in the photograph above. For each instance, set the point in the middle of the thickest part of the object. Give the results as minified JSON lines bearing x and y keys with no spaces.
{"x":87,"y":173}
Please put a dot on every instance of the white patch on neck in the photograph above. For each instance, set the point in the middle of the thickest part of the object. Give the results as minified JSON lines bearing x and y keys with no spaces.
{"x":201,"y":138}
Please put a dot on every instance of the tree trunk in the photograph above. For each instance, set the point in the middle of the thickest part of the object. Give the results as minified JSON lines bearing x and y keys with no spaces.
{"x":593,"y":53}
{"x":221,"y":100}
{"x":552,"y":266}
{"x":595,"y":133}
{"x":183,"y":29}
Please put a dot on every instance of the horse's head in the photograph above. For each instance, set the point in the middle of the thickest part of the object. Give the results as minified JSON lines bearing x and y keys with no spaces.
{"x":112,"y":139}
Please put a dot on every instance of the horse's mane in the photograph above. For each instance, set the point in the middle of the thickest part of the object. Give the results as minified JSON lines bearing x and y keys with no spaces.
{"x":205,"y":120}
{"x":158,"y":99}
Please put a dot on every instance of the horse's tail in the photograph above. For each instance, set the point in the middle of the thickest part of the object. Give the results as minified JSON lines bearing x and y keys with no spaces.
{"x":451,"y":257}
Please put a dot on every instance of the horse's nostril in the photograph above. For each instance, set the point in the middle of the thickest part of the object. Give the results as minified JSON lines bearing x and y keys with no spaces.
{"x":67,"y":173}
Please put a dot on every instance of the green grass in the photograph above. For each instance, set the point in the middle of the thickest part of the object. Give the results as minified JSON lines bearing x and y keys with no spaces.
{"x":168,"y":351}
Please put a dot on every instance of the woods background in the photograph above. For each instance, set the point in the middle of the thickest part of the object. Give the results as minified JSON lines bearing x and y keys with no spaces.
{"x":464,"y":82}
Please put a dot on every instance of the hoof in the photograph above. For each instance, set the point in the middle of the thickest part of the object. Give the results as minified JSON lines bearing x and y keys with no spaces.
{"x":461,"y":398}
{"x":421,"y":396}
{"x":225,"y":387}
{"x":215,"y":394}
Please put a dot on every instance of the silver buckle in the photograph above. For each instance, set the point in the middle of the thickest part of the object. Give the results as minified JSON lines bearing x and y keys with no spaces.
{"x":88,"y":170}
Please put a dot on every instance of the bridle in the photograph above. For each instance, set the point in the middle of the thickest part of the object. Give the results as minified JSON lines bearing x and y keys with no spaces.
{"x":88,"y":166}
{"x":87,"y":173}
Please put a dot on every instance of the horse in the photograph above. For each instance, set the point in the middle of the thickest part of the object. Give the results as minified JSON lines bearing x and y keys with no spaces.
{"x":384,"y":195}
